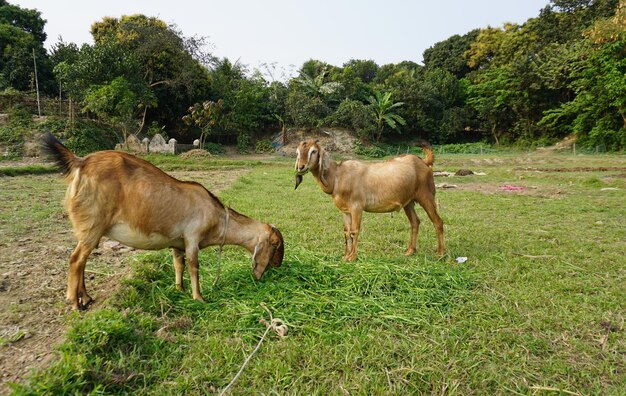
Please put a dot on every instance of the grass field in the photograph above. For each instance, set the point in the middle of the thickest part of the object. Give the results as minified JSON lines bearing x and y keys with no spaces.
{"x":538,"y":307}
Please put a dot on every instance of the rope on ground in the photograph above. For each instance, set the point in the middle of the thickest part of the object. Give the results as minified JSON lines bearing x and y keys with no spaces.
{"x":275,"y":324}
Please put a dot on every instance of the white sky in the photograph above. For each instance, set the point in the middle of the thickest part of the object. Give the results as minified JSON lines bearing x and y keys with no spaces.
{"x":290,"y":32}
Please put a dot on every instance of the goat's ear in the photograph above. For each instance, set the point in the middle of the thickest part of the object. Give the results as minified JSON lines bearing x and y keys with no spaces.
{"x":261,"y":256}
{"x":322,"y":164}
{"x":278,"y":247}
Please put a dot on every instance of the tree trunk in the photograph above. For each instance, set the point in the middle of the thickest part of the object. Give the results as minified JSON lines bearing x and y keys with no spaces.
{"x":495,"y":135}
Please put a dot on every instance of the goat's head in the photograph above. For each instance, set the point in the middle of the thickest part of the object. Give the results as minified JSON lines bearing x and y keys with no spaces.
{"x":269,"y":250}
{"x":310,"y":156}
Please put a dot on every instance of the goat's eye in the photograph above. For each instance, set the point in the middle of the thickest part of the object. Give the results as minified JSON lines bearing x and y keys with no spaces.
{"x":313,"y":151}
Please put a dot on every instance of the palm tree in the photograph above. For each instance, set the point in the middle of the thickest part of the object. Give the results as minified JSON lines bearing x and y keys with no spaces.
{"x":315,"y":86}
{"x":382,"y":107}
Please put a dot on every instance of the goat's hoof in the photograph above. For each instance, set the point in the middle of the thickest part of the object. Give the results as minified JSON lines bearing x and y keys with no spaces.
{"x":198,"y":298}
{"x":180,"y":288}
{"x":85,"y":303}
{"x":86,"y":300}
{"x":409,"y":252}
{"x":74,"y":305}
{"x":350,"y":257}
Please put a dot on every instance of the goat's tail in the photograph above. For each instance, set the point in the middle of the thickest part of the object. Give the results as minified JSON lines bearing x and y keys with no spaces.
{"x":429,"y":159}
{"x":62,"y":156}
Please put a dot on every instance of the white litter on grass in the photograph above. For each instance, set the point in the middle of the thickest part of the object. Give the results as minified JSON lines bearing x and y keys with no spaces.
{"x":461,"y":260}
{"x":609,"y":189}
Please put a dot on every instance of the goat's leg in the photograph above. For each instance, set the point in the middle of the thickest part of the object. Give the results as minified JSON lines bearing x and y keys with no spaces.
{"x":409,"y":210}
{"x":179,"y":266}
{"x":191,"y":251}
{"x":354,"y":233}
{"x":85,"y":298}
{"x":76,"y":275}
{"x":430,"y":207}
{"x":347,"y":223}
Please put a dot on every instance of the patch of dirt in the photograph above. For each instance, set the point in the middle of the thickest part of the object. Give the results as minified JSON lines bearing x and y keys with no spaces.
{"x":533,"y":191}
{"x":23,"y":162}
{"x":33,"y":270}
{"x":577,"y":169}
{"x":503,"y":189}
{"x":335,"y":140}
{"x":566,"y":144}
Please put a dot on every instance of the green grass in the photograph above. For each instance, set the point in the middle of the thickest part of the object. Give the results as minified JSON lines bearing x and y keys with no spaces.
{"x":27,"y":170}
{"x":539,"y":304}
{"x":176,"y":163}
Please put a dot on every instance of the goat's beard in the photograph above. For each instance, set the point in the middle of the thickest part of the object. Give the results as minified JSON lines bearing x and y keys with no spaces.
{"x":298,"y":180}
{"x":299,"y":176}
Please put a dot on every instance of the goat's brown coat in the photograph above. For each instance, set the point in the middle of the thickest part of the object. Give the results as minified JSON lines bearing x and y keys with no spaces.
{"x":128,"y":199}
{"x":373,"y":187}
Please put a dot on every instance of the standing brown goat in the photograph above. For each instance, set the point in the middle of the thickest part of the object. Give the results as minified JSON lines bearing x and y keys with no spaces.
{"x":373,"y":187}
{"x":129,"y":200}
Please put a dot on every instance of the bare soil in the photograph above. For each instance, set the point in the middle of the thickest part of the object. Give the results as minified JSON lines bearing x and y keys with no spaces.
{"x":335,"y":140}
{"x":33,"y":267}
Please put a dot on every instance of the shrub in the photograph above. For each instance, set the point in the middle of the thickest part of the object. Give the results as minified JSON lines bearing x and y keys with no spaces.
{"x":354,"y":115}
{"x":12,"y":134}
{"x":243,"y":141}
{"x":303,"y":111}
{"x":264,"y":146}
{"x":214,"y":148}
{"x":154,"y":128}
{"x":82,"y":137}
{"x":372,"y":151}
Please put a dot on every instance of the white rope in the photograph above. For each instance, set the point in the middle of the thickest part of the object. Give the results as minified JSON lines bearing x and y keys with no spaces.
{"x":219,"y":256}
{"x":277,"y":325}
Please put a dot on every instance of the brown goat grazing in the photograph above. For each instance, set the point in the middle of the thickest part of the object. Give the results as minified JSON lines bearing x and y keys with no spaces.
{"x":127,"y":199}
{"x":373,"y":187}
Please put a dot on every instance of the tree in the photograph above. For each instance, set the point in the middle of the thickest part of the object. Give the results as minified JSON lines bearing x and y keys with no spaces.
{"x":207,"y":116}
{"x":119,"y":103}
{"x":449,"y":54}
{"x":597,"y":114}
{"x":490,"y":98}
{"x":304,"y":111}
{"x":21,"y":34}
{"x":250,"y":104}
{"x":172,"y":64}
{"x":316,"y":86}
{"x":97,"y":65}
{"x":383,"y":112}
{"x":355,"y":115}
{"x":364,"y":69}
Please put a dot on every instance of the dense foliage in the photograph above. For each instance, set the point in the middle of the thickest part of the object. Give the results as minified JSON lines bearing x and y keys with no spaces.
{"x":557,"y":74}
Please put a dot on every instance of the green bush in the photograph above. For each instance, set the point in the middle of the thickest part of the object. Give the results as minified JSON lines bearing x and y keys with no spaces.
{"x":214,"y":148}
{"x":303,"y":111}
{"x":372,"y":151}
{"x":155,"y":128}
{"x":354,"y":115}
{"x":264,"y":146}
{"x":82,"y":137}
{"x":243,"y":142}
{"x":12,"y":134}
